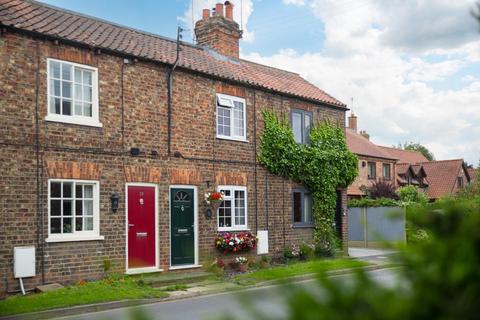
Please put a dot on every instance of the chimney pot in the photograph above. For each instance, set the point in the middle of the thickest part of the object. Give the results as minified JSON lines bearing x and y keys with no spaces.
{"x":205,"y":14}
{"x":219,"y":9}
{"x":228,"y":10}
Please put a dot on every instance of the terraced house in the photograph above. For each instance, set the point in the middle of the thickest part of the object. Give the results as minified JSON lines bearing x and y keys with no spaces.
{"x":110,"y":137}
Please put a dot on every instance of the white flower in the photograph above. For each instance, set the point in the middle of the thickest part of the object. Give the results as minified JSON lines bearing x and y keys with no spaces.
{"x":231,"y":243}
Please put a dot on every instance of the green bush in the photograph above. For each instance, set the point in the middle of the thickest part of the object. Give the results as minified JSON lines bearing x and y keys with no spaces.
{"x":411,"y":194}
{"x":368,"y":202}
{"x":440,"y":277}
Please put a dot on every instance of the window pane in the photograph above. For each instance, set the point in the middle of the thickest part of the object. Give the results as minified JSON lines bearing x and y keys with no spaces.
{"x":87,"y":94}
{"x":78,"y":75}
{"x":88,"y":207}
{"x":78,"y":207}
{"x":79,"y":190}
{"x":54,"y":69}
{"x":66,"y":71}
{"x":57,"y":105}
{"x":66,"y":89}
{"x":55,"y":207}
{"x":55,"y":189}
{"x":87,"y":112}
{"x":78,"y":108}
{"x":78,"y":224}
{"x":87,"y":77}
{"x":307,"y":200}
{"x":55,"y":224}
{"x":67,"y":189}
{"x":55,"y":88}
{"x":225,"y":214}
{"x":88,"y":191}
{"x":308,"y":126}
{"x":297,"y":126}
{"x":67,"y":207}
{"x":297,"y":207}
{"x":67,"y":107}
{"x":88,"y":224}
{"x":67,"y":225}
{"x":78,"y":92}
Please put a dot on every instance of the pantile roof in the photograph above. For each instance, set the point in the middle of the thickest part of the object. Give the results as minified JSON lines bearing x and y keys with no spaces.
{"x":442,"y":176}
{"x":84,"y":30}
{"x":405,"y":156}
{"x":360,"y":145}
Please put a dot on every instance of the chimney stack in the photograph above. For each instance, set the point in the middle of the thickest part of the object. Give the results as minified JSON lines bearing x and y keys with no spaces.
{"x":352,"y":122}
{"x":219,"y":31}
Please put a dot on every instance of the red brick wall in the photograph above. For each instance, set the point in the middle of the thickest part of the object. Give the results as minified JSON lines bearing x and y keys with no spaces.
{"x":103,"y":154}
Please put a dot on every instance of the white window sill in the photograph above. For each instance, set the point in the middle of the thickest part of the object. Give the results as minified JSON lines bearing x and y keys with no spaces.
{"x":233,"y":229}
{"x":73,"y":120}
{"x":232,"y":139}
{"x":73,"y":238}
{"x":143,"y":270}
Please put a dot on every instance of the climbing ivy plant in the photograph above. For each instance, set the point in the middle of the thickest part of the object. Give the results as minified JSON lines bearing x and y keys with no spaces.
{"x":321,"y":166}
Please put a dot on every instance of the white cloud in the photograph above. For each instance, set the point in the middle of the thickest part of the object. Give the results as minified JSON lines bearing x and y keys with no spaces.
{"x":294,"y":2}
{"x":379,"y":53}
{"x":239,"y":15}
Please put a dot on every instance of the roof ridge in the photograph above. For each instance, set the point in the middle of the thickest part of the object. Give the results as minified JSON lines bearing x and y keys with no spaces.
{"x":264,"y":65}
{"x":393,"y":148}
{"x":448,"y":160}
{"x":115,"y":24}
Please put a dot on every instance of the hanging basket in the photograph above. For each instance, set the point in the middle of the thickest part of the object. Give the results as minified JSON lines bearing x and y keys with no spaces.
{"x":215,"y":205}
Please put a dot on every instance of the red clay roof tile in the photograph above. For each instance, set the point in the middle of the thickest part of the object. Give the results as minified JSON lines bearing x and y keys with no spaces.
{"x":48,"y":20}
{"x":360,"y":145}
{"x":405,"y":156}
{"x":442,"y":176}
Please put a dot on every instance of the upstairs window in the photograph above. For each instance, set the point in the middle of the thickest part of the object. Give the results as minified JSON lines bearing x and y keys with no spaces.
{"x":372,"y":170}
{"x":301,"y":125}
{"x":460,"y":182}
{"x":72,"y":93}
{"x":302,"y":208}
{"x":386,"y":171}
{"x":231,"y":118}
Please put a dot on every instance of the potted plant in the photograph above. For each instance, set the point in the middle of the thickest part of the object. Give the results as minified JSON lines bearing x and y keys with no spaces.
{"x":214,"y":199}
{"x":242,"y":263}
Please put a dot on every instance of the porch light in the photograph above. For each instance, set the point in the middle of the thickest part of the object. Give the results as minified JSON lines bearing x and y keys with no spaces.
{"x":114,"y":198}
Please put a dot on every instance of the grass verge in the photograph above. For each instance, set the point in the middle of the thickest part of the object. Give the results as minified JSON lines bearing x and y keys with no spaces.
{"x":296,"y":269}
{"x":111,"y":289}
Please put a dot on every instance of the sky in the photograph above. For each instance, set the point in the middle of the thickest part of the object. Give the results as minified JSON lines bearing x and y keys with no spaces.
{"x":409,"y":69}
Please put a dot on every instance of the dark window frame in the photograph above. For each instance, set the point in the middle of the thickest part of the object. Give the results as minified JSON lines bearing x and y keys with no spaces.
{"x":303,"y":223}
{"x":374,"y":171}
{"x":460,"y":182}
{"x":305,"y":133}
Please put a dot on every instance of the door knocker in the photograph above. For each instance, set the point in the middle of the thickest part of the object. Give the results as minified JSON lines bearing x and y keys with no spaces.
{"x":182,"y":208}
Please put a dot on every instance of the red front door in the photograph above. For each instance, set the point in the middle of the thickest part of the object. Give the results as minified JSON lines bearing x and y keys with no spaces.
{"x":141,"y":227}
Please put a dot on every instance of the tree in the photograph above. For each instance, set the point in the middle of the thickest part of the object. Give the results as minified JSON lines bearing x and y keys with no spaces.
{"x":418,"y":147}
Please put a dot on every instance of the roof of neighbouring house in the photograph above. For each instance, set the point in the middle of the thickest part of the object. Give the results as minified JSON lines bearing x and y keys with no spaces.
{"x":405,"y":156}
{"x":442,"y":176}
{"x":472,"y":172}
{"x":84,"y":30}
{"x":360,"y":145}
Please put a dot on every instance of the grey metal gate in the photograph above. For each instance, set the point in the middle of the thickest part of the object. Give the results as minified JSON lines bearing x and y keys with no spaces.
{"x":376,"y":226}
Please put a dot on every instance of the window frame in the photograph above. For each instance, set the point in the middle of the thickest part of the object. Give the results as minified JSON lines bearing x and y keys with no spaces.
{"x":460,"y":182}
{"x":234,"y":227}
{"x":94,"y":120}
{"x":233,"y":99}
{"x":76,"y":235}
{"x":385,"y":165}
{"x":305,"y":135}
{"x":304,"y":223}
{"x":374,"y":171}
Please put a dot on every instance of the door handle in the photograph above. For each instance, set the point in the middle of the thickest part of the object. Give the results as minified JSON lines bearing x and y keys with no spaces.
{"x":141,"y":234}
{"x":182,"y":230}
{"x":131,"y":225}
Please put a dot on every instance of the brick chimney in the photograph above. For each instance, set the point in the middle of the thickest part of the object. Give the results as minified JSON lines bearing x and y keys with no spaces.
{"x":365,"y":134}
{"x":218,"y":31}
{"x":352,"y":122}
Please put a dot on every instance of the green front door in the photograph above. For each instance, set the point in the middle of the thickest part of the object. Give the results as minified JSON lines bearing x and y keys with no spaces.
{"x":182,"y":226}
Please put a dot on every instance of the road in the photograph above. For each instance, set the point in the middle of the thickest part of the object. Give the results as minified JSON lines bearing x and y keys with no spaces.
{"x":267,"y":299}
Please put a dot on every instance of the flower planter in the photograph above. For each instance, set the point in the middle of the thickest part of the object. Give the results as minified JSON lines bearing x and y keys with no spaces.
{"x":214,"y":205}
{"x":243,"y":267}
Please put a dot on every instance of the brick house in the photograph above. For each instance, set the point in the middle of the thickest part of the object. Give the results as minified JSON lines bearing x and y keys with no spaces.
{"x":373,"y":163}
{"x":93,"y":114}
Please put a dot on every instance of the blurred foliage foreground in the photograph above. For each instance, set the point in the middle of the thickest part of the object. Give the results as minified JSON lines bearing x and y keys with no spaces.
{"x":440,"y":278}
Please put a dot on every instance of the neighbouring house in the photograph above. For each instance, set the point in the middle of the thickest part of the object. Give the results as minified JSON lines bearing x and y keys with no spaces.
{"x":109,"y":144}
{"x":373,"y":163}
{"x":445,"y":177}
{"x":473,"y":173}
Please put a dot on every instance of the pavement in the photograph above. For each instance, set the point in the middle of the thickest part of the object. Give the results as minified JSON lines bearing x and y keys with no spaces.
{"x":270,"y":300}
{"x":206,"y":295}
